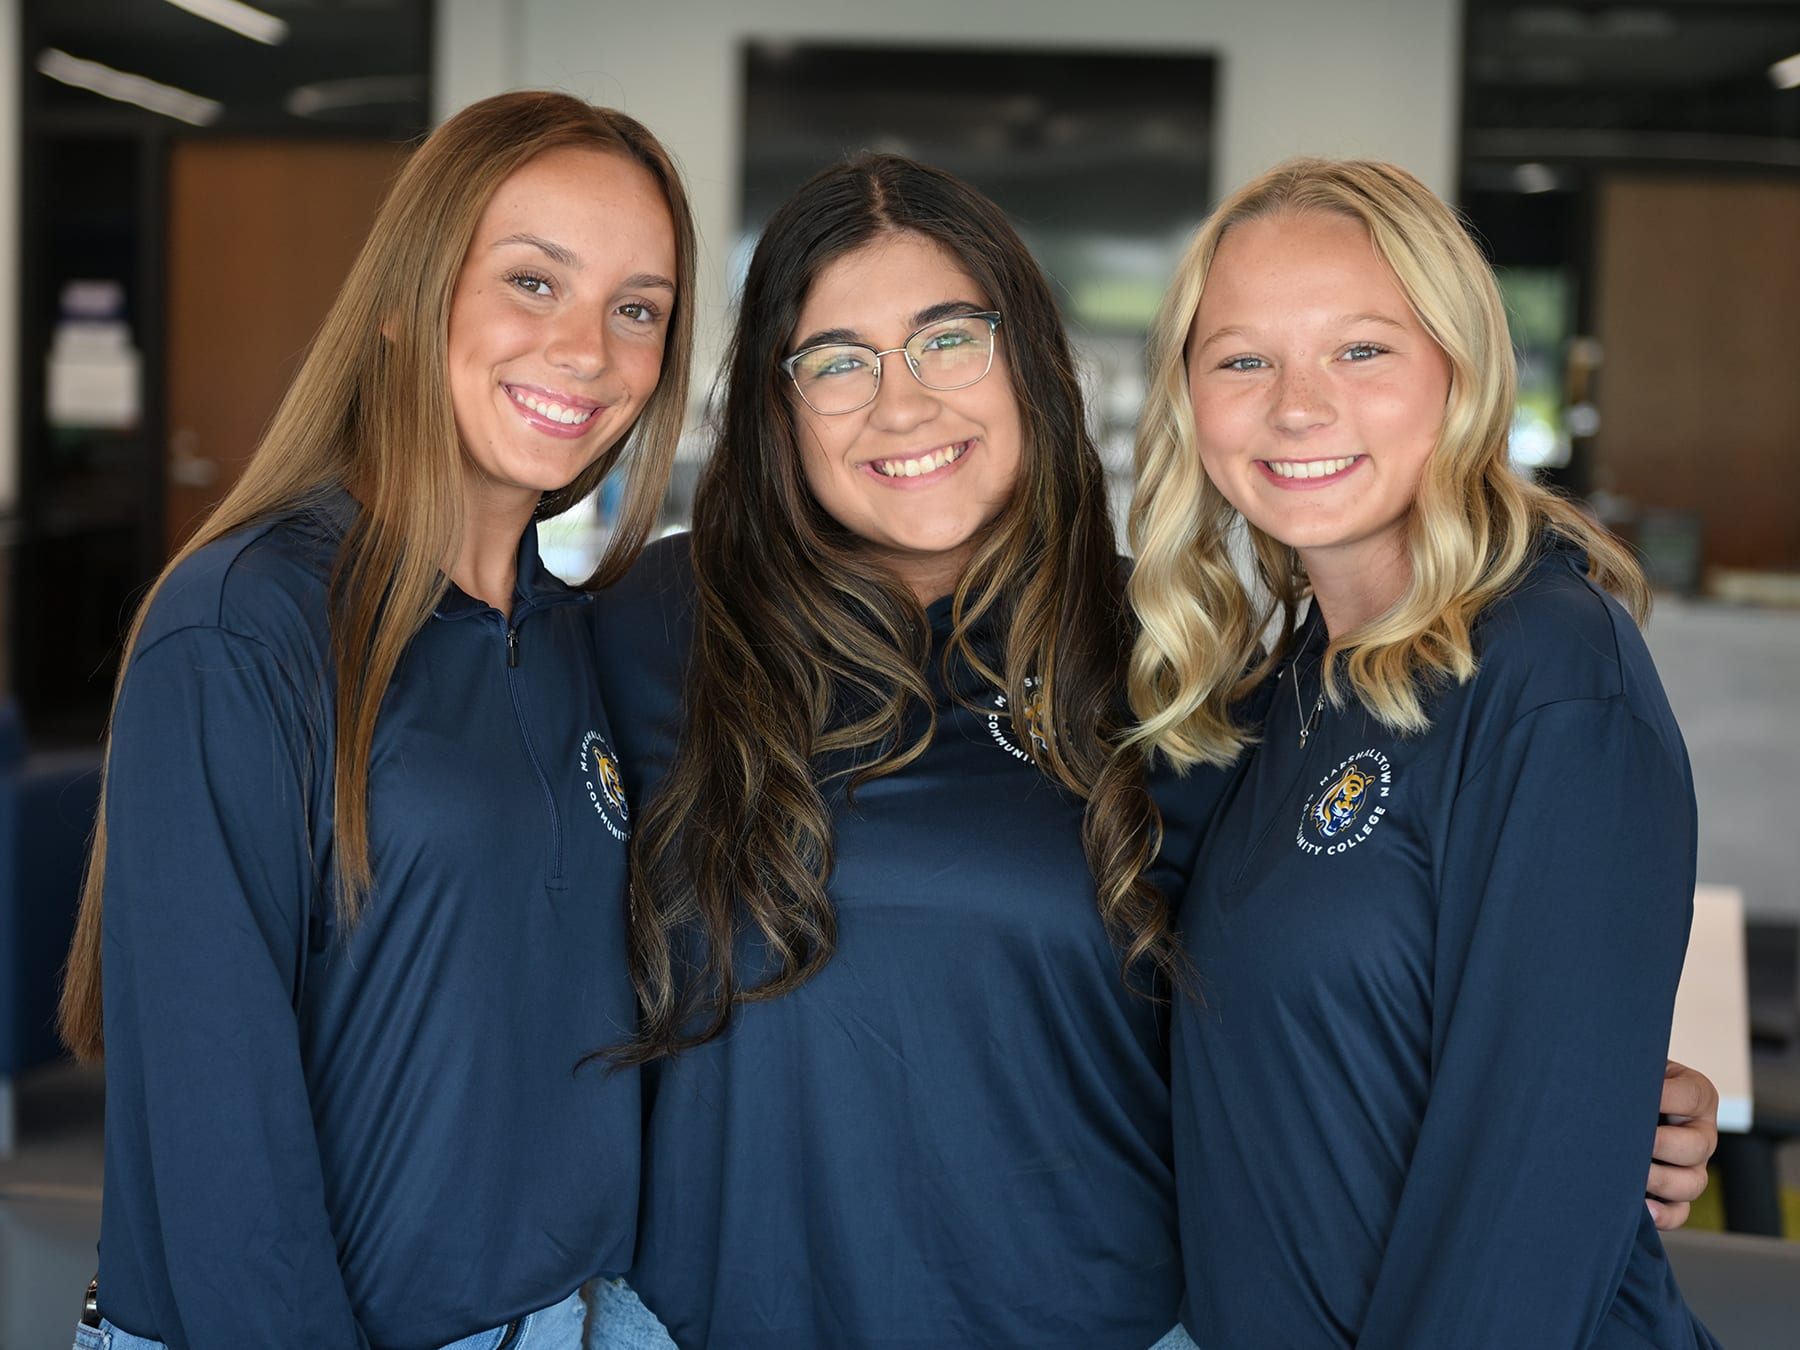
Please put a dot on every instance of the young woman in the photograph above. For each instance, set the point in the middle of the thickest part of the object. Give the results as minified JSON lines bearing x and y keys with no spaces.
{"x":924,"y":1110}
{"x":354,"y":900}
{"x":885,"y":885}
{"x":1440,"y":916}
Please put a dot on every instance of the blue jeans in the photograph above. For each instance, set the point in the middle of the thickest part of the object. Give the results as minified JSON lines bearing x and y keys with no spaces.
{"x":558,"y":1327}
{"x":620,"y":1321}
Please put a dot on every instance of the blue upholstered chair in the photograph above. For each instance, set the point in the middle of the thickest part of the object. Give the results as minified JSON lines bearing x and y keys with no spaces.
{"x":47,"y":803}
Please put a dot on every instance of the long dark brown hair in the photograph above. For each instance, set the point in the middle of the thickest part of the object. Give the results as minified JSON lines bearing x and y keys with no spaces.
{"x":370,"y":411}
{"x":807,"y":647}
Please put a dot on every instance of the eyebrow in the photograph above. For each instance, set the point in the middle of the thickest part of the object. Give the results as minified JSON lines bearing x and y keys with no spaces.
{"x":639,"y":281}
{"x":1342,"y":321}
{"x":549,"y":248}
{"x":944,"y":309}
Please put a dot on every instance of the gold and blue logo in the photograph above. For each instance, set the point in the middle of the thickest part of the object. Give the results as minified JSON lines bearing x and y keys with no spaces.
{"x":1011,"y":733}
{"x":604,"y":784}
{"x":1346,"y":805}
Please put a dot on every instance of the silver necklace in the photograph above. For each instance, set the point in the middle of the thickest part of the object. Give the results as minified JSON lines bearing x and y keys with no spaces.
{"x":1306,"y":721}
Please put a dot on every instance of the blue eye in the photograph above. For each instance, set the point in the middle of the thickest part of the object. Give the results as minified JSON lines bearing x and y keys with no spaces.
{"x":1362,"y":351}
{"x":832,"y":362}
{"x":1244,"y":363}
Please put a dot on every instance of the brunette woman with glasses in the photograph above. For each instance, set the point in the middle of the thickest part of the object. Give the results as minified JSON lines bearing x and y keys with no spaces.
{"x":896,"y":926}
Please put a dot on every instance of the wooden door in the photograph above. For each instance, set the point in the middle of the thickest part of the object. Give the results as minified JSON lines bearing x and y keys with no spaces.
{"x":261,"y":235}
{"x":1699,"y":317}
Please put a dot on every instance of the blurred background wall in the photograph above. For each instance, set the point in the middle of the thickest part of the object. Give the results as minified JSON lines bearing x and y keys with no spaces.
{"x":1378,"y":77}
{"x":11,"y":73}
{"x":1633,"y":170}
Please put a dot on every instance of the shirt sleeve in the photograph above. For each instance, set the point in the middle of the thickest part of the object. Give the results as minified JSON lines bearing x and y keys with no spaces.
{"x":210,"y":883}
{"x":1566,"y":888}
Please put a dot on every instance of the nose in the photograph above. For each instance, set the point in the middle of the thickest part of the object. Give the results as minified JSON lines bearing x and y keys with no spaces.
{"x":901,"y":401}
{"x":1302,"y":400}
{"x":578,"y":343}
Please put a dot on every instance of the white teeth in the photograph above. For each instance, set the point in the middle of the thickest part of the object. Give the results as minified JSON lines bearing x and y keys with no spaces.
{"x":569,"y":417}
{"x":1309,"y":468}
{"x":912,"y":468}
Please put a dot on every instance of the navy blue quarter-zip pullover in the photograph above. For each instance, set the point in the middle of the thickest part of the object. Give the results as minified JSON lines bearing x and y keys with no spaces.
{"x":1412,"y":1108}
{"x":374,"y":1137}
{"x":956,"y":1134}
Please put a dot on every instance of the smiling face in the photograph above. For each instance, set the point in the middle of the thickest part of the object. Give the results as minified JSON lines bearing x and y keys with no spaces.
{"x":1318,"y":396}
{"x":917,"y":473}
{"x":557,"y":322}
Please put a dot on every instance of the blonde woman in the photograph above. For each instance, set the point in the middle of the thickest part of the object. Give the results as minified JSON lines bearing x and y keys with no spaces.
{"x":1441,"y":913}
{"x":358,"y":878}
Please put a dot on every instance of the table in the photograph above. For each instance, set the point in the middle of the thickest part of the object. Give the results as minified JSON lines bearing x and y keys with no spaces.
{"x":1711,"y":1031}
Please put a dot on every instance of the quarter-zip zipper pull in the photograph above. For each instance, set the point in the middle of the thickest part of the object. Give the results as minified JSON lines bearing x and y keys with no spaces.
{"x":512,"y":646}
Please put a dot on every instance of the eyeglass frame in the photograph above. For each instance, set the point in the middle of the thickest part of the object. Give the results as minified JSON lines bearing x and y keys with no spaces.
{"x":992,"y":316}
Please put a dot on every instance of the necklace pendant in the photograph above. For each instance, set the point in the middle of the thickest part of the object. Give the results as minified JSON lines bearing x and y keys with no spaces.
{"x":1307,"y":723}
{"x":1292,"y":674}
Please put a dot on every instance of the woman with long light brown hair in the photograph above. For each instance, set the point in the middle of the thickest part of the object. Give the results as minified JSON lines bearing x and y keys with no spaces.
{"x":359,"y":867}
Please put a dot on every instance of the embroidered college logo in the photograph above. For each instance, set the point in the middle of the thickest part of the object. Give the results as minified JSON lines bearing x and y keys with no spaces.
{"x":605,"y":788}
{"x":1347,"y":805}
{"x":1005,"y":728}
{"x":1337,"y":810}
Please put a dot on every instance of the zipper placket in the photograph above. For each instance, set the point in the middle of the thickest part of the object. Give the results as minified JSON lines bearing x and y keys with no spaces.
{"x":514,"y":687}
{"x":1297,"y":777}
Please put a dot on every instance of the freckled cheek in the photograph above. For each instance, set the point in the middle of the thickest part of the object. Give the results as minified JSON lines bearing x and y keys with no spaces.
{"x":1224,"y":438}
{"x":648,"y":374}
{"x":1219,"y":467}
{"x":1419,"y":421}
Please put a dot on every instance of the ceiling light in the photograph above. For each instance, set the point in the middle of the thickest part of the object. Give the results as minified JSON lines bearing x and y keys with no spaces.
{"x":128,"y":88}
{"x":329,"y":96}
{"x":239,"y":18}
{"x":1786,"y":74}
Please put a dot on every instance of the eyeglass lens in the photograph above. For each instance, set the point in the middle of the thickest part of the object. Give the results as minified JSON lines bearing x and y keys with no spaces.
{"x":947,"y":354}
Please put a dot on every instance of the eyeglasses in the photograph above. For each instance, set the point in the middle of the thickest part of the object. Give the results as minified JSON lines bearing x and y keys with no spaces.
{"x":840,"y":377}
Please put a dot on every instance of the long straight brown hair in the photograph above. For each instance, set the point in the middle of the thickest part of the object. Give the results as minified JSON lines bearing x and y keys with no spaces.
{"x":797,"y":623}
{"x":370,"y":411}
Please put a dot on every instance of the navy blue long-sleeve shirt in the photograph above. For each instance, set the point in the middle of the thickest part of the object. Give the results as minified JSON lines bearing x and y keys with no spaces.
{"x":1438,"y":971}
{"x":377,"y":1137}
{"x":957,"y":1133}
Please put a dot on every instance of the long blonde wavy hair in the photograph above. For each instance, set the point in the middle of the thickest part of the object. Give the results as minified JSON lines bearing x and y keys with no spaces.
{"x":370,"y":411}
{"x":1474,"y":528}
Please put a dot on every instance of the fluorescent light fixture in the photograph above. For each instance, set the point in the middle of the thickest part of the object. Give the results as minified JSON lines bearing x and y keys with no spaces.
{"x":1786,"y":74}
{"x":329,"y":96}
{"x":128,"y":88}
{"x":239,"y":18}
